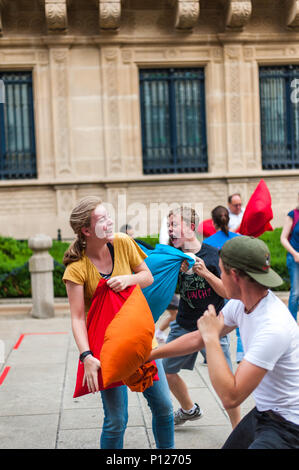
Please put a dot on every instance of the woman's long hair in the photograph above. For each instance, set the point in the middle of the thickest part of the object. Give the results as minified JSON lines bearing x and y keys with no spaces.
{"x":79,"y":218}
{"x":220,"y":218}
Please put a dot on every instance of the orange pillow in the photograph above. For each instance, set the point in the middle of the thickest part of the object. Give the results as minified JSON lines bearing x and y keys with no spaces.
{"x":128,"y":339}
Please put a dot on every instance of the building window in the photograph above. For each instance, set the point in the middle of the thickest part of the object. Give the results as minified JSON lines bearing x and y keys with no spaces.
{"x":17,"y":140}
{"x":173,"y":121}
{"x":279,"y":94}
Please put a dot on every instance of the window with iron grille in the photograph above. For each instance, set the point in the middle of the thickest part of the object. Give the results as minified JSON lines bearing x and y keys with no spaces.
{"x":279,"y":97}
{"x":17,"y":140}
{"x":173,"y":120}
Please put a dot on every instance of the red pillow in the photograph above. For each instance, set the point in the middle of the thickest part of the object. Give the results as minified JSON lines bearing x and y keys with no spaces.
{"x":105,"y":305}
{"x":128,"y":339}
{"x":206,"y":228}
{"x":135,"y":322}
{"x":258,"y":212}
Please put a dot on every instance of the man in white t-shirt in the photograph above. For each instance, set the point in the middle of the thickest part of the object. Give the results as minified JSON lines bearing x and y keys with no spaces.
{"x":235,"y":211}
{"x":270,"y":337}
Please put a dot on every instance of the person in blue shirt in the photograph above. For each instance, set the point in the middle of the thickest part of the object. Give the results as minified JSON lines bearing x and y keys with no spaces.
{"x":220,"y":217}
{"x":290,"y":240}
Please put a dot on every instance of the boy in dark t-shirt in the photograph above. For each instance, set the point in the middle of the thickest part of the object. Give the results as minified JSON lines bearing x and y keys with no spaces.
{"x":196,"y":293}
{"x":197,"y":289}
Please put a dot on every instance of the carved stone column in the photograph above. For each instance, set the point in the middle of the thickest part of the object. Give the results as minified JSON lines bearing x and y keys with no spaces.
{"x":187,"y":13}
{"x":111,"y":110}
{"x":233,"y":89}
{"x":238,"y":14}
{"x":242,"y":109}
{"x":56,"y":15}
{"x":59,"y":68}
{"x":292,"y":12}
{"x":109,"y":14}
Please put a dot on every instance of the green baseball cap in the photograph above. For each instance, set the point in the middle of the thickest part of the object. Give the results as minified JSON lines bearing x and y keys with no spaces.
{"x":252,"y":256}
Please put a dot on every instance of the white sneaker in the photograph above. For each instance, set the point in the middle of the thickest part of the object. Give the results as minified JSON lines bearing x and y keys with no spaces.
{"x":180,"y":417}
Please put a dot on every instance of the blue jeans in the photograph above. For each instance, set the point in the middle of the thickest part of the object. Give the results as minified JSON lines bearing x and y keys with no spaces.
{"x":293,"y":268}
{"x":240,"y":352}
{"x":115,"y":403}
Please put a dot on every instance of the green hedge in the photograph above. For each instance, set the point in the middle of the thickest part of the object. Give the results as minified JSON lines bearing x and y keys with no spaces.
{"x":14,"y":256}
{"x":278,"y":257}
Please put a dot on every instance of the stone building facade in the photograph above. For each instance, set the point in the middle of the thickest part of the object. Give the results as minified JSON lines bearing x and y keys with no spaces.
{"x":85,"y":57}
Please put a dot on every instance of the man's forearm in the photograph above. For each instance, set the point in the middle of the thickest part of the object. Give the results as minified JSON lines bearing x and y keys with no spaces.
{"x":186,"y":344}
{"x":220,"y":374}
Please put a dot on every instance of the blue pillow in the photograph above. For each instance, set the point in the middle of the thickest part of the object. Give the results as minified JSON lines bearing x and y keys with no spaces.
{"x":164,"y":263}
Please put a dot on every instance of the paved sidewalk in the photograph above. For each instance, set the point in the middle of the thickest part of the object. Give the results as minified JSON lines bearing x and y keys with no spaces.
{"x":37,"y":381}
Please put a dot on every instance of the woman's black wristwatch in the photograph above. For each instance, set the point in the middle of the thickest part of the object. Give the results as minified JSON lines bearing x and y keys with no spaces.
{"x":84,"y":354}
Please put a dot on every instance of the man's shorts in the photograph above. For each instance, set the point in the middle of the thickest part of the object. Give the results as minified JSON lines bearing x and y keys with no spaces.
{"x":173,"y":365}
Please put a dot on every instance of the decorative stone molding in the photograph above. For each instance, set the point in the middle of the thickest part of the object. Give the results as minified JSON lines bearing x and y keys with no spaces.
{"x":187,"y":13}
{"x":109,"y":14}
{"x":56,"y":15}
{"x":238,"y":14}
{"x":292,"y":11}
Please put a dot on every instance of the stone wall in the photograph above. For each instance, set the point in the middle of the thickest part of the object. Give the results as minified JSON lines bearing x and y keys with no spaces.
{"x":85,"y":58}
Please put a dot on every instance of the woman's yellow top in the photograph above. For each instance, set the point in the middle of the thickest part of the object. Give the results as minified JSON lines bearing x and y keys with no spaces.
{"x":127,"y":256}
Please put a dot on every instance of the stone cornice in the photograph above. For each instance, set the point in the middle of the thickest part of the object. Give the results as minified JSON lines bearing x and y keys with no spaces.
{"x":63,"y":183}
{"x":127,"y":40}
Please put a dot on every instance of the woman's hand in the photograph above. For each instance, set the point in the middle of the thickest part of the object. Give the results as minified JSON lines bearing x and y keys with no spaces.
{"x":184,"y":266}
{"x":296,"y":257}
{"x":119,"y":283}
{"x":91,"y":368}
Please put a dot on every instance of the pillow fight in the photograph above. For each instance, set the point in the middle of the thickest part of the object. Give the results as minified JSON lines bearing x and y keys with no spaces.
{"x":118,"y":287}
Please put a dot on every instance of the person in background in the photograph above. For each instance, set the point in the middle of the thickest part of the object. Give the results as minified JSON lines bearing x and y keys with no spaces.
{"x":220,"y":217}
{"x":128,"y":229}
{"x":236,"y":211}
{"x":197,"y":290}
{"x":290,"y":240}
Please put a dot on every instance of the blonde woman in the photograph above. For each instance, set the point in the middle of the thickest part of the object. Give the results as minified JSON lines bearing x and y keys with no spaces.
{"x":99,"y":253}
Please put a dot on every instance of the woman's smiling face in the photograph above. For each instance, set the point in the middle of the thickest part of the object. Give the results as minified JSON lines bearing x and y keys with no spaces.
{"x":101,"y":223}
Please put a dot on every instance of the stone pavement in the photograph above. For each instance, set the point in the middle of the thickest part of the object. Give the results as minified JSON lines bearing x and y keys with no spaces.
{"x":37,"y":381}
